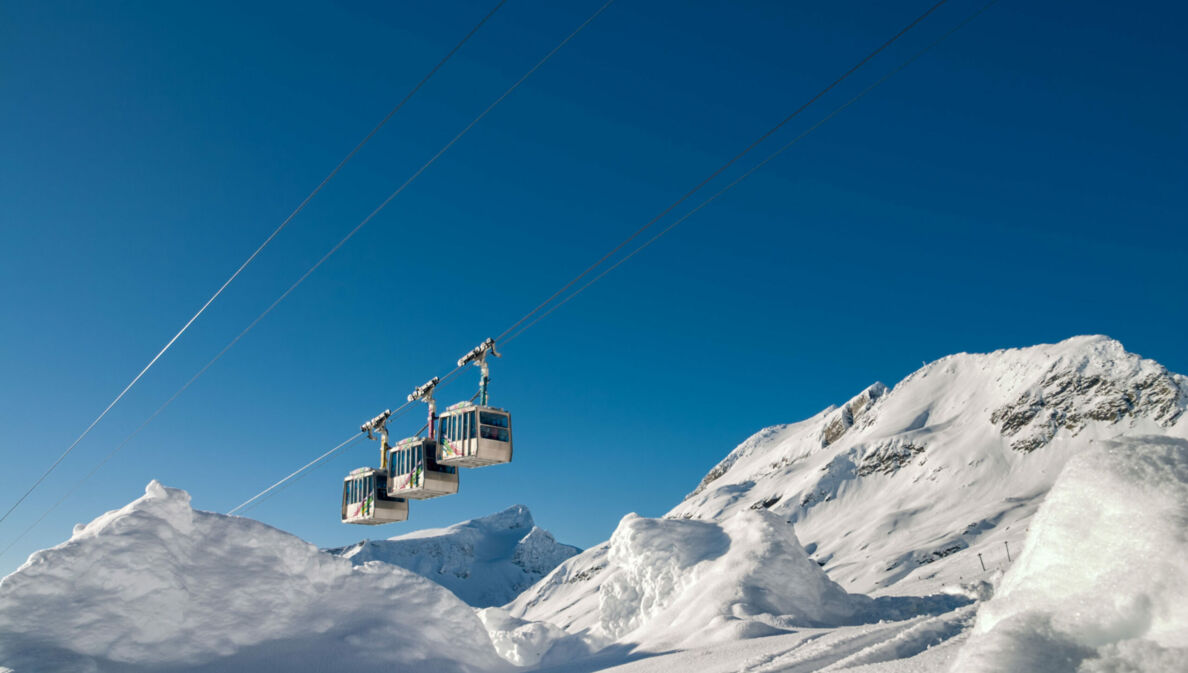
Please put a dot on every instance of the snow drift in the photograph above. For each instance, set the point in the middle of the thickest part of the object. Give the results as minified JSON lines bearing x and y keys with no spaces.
{"x":666,"y":583}
{"x":691,"y":581}
{"x":485,"y":562}
{"x":1103,"y":582}
{"x":159,"y":586}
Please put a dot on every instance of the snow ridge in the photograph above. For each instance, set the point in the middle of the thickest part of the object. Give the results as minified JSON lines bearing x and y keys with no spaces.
{"x":157,"y":584}
{"x":955,"y":455}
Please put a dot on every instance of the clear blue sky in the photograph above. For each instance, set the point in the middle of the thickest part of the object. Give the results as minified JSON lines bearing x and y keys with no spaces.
{"x":1022,"y":183}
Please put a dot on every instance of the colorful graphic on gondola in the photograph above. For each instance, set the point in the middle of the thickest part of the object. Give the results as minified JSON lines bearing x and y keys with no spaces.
{"x":362,"y":509}
{"x":414,"y":479}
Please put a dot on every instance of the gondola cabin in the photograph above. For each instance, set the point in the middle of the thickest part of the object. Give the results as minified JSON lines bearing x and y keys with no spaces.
{"x":414,"y":471}
{"x":365,"y":499}
{"x":471,"y":435}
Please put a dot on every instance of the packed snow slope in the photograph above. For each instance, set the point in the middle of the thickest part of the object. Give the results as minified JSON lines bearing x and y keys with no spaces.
{"x":158,"y":586}
{"x":898,"y":491}
{"x":485,"y":562}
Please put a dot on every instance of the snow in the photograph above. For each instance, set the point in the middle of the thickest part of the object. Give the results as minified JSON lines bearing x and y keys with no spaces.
{"x":1103,"y":583}
{"x":910,"y":646}
{"x":158,"y":585}
{"x":485,"y":562}
{"x":526,"y":643}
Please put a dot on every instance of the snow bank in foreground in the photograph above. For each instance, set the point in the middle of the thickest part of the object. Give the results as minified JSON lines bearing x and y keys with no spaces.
{"x":157,"y":585}
{"x":485,"y":562}
{"x":1102,"y":584}
{"x":680,"y":581}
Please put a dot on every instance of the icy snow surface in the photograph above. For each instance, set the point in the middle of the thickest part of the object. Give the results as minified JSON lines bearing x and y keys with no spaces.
{"x":158,"y":586}
{"x":1103,"y":582}
{"x":485,"y":562}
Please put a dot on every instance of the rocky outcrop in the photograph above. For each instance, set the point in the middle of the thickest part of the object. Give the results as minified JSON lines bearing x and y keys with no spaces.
{"x":888,"y":456}
{"x":1069,"y":399}
{"x":851,"y":412}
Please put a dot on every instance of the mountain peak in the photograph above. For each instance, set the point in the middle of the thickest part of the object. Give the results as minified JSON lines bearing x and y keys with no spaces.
{"x":957,"y":450}
{"x":484,"y":561}
{"x":514,"y":517}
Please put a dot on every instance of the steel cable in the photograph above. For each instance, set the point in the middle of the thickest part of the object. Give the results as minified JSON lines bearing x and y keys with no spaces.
{"x":756,"y":167}
{"x":696,"y":188}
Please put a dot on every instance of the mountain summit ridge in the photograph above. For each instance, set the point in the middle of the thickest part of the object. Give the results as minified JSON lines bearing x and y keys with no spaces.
{"x":485,"y":561}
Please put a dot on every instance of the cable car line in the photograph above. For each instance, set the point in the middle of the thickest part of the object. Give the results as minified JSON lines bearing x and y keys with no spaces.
{"x":399,"y":409}
{"x":353,"y":438}
{"x":402,"y":408}
{"x":548,"y":56}
{"x":696,"y":188}
{"x":684,"y":217}
{"x":391,"y":415}
{"x":392,"y":196}
{"x":833,"y":113}
{"x":396,"y":413}
{"x":256,"y":253}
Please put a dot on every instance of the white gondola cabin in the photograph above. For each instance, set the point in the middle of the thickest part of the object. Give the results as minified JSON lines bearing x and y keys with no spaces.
{"x":414,"y":471}
{"x":365,"y":499}
{"x":472,"y":435}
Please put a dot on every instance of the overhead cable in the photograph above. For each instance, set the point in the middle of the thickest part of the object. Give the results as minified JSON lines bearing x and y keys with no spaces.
{"x":730,"y":162}
{"x":756,"y":167}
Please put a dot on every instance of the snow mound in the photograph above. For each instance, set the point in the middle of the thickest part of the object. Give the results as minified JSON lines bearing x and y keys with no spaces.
{"x":676,"y":581}
{"x":1102,"y":584}
{"x":159,"y":585}
{"x":485,"y":562}
{"x":526,"y":643}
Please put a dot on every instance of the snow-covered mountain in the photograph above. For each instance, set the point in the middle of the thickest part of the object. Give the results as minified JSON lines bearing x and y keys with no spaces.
{"x":485,"y":562}
{"x":159,"y":586}
{"x":901,"y":491}
{"x":854,"y":539}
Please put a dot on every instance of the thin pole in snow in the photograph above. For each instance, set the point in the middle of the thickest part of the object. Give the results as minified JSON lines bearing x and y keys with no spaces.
{"x":1008,"y":548}
{"x":982,"y":562}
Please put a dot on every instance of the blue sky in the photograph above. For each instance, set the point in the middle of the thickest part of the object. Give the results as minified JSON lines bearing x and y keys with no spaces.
{"x":1021,"y":183}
